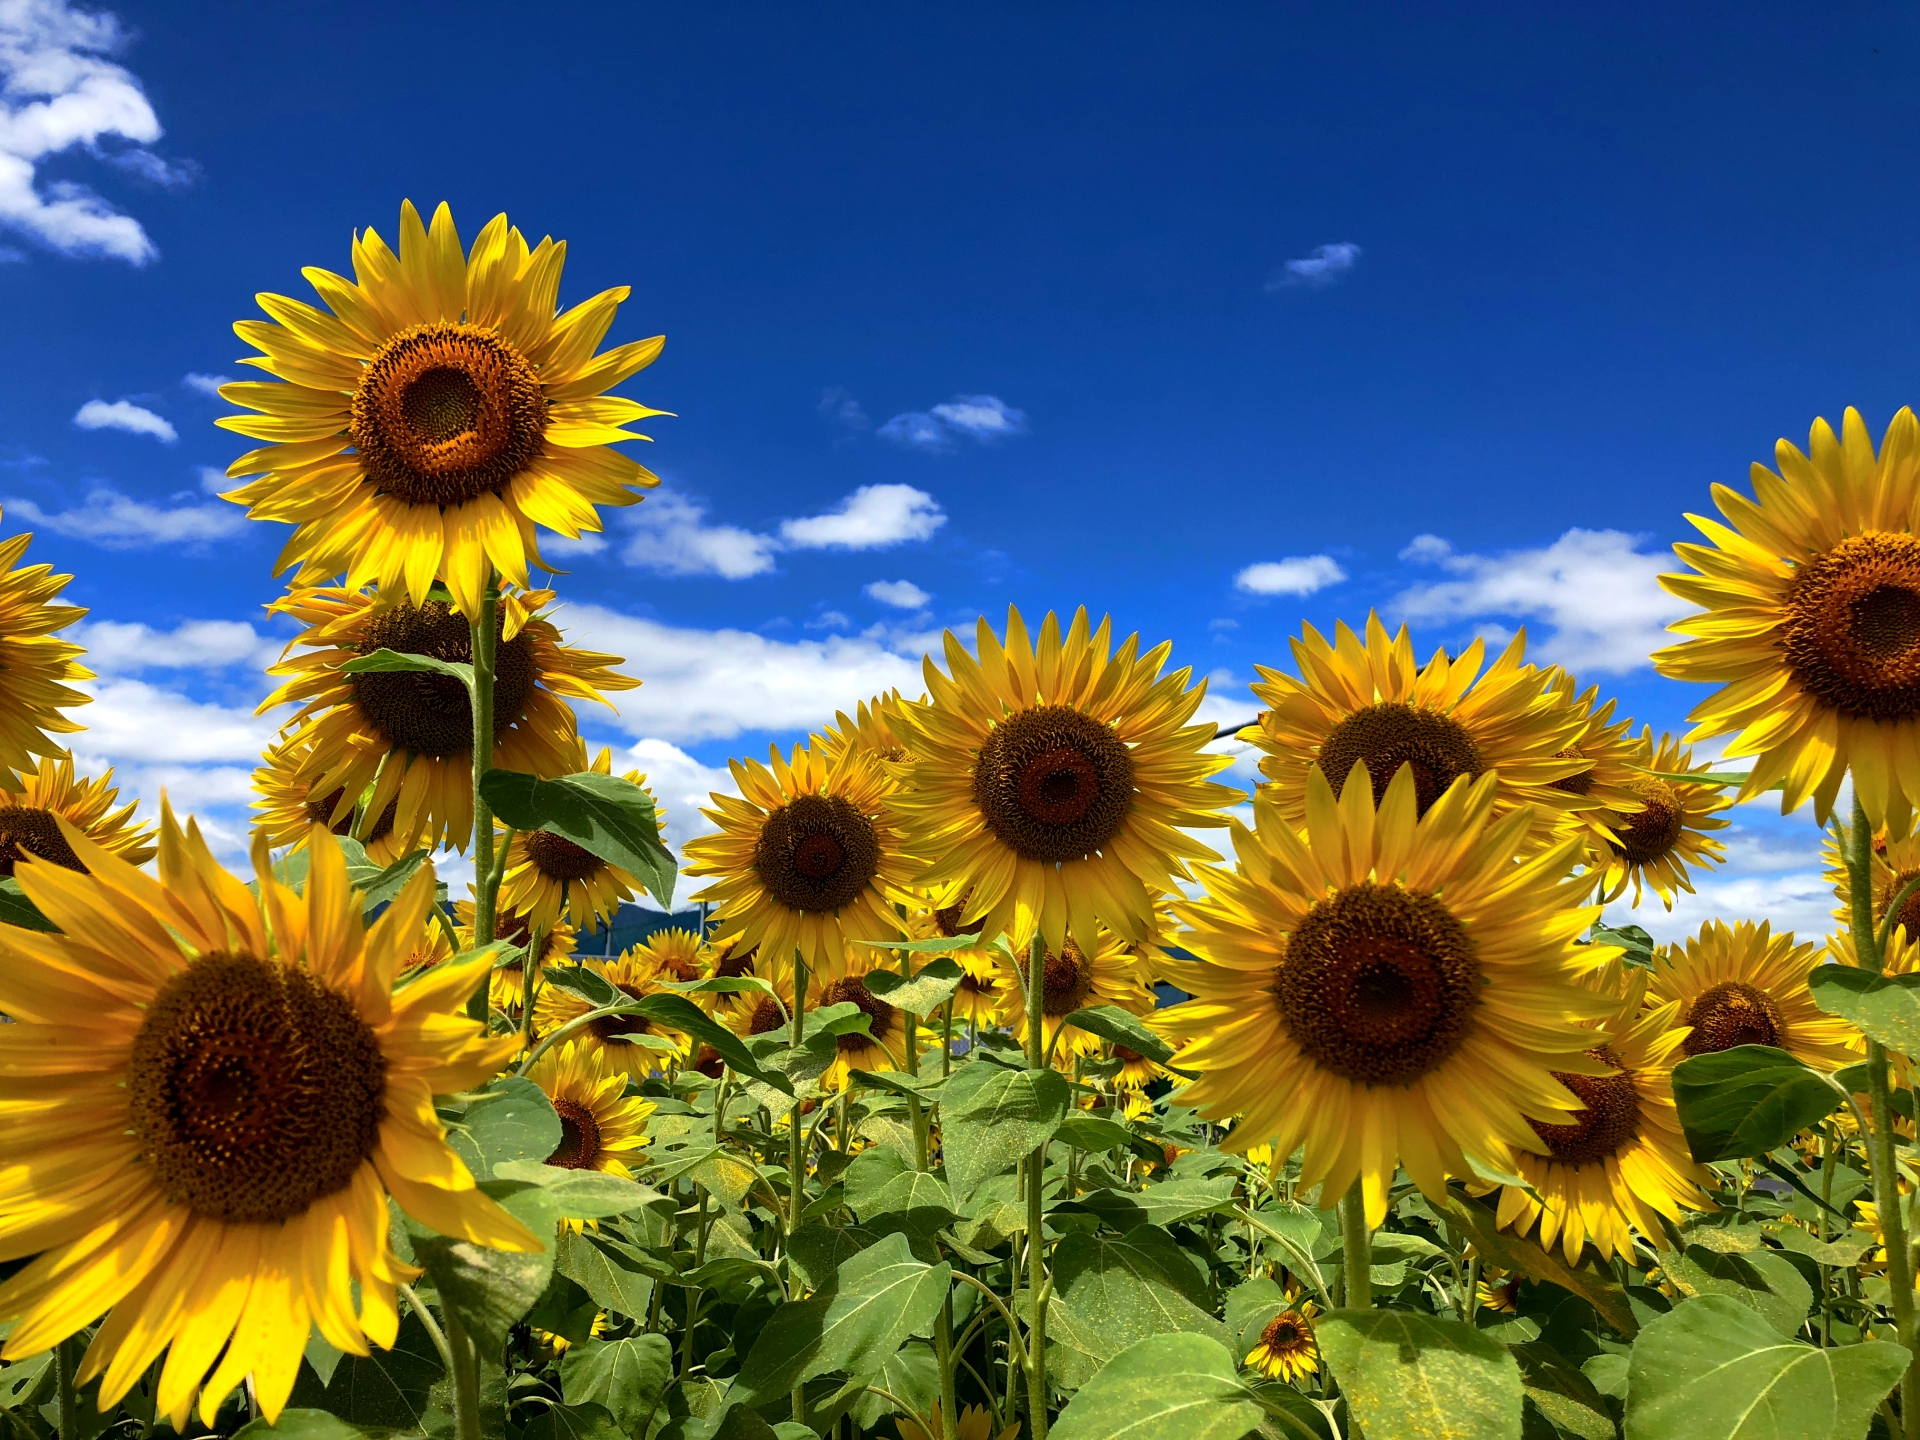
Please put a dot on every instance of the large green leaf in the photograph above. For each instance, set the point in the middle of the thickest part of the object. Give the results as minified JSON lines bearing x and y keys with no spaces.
{"x":627,"y":1376}
{"x":1739,"y":1103}
{"x":1166,"y":1203}
{"x":1005,"y":1117}
{"x":602,"y":814}
{"x":1711,"y":1369}
{"x":299,"y":1425}
{"x":573,"y":1422}
{"x":1112,"y":1023}
{"x":1562,"y":1393}
{"x":1408,"y":1374}
{"x":1119,"y":1290}
{"x":489,"y":1290}
{"x":925,"y":993}
{"x":1523,"y":1257}
{"x":1166,"y":1387}
{"x":816,"y":1252}
{"x":1765,"y":1281}
{"x":1885,"y":1007}
{"x":17,"y":909}
{"x":388,"y":1390}
{"x":511,"y":1119}
{"x":616,"y":1276}
{"x":579,"y":1194}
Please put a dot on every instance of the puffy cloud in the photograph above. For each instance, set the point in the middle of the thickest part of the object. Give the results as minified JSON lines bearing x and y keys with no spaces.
{"x":872,"y":518}
{"x":118,"y":522}
{"x":983,"y":418}
{"x":1597,"y":591}
{"x":670,"y":535}
{"x":124,"y":415}
{"x":1325,"y":265}
{"x":902,"y":594}
{"x":133,"y":722}
{"x":116,"y":647}
{"x":1296,"y":575}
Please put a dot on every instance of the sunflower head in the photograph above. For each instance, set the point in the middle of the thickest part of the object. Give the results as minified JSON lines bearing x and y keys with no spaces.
{"x":288,"y":808}
{"x":1072,"y":979}
{"x":633,"y":1044}
{"x":1287,"y":1349}
{"x":548,"y":875}
{"x":1741,"y":984}
{"x":508,"y":988}
{"x":877,"y":726}
{"x":1669,"y":834}
{"x":601,"y":1127}
{"x":882,"y":1047}
{"x":32,"y":808}
{"x":40,"y":668}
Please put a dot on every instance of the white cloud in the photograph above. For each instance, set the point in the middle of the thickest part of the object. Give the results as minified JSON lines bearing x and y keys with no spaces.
{"x":873,"y":517}
{"x":977,"y":417}
{"x":1295,"y":575}
{"x":124,"y":415}
{"x":1600,"y":595}
{"x":134,"y":722}
{"x":117,"y":522}
{"x":213,"y":480}
{"x":917,"y":430}
{"x":837,"y":404}
{"x":586,"y":543}
{"x":670,"y":535}
{"x":903,"y":594}
{"x":1325,"y":265}
{"x":208,"y":385}
{"x":829,"y":620}
{"x":116,"y":647}
{"x":58,"y":93}
{"x":1426,"y":550}
{"x":682,"y":785}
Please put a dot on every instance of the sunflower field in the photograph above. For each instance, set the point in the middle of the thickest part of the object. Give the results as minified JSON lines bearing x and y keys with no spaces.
{"x":1028,"y":1081}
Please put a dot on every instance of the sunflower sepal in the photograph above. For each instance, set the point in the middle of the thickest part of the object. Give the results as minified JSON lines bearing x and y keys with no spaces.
{"x":608,"y":816}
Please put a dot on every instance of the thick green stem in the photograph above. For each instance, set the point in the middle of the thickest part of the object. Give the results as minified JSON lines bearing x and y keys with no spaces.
{"x":693,"y":1295}
{"x":484,"y":632}
{"x":943,"y":1353}
{"x":67,"y":1358}
{"x":1036,"y":1204}
{"x":1356,"y":1248}
{"x":466,"y":1380}
{"x":796,"y":1145}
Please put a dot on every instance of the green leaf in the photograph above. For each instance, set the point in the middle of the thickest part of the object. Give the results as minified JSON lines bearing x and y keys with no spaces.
{"x":816,"y":1252}
{"x":511,"y":1119}
{"x":1711,"y":1369}
{"x":1844,"y":1249}
{"x":1290,"y":1415}
{"x":1408,"y":1374}
{"x":615,"y":1275}
{"x":1764,"y":1281}
{"x":580,"y":1194}
{"x":1113,"y":1024}
{"x":388,"y":1390}
{"x":627,"y":1376}
{"x":17,"y":909}
{"x":388,"y":662}
{"x":938,"y":945}
{"x":1006,"y":1117}
{"x":489,"y":1290}
{"x":1635,"y":943}
{"x":1739,"y":1103}
{"x":881,"y":1182}
{"x":573,"y":1422}
{"x":1885,"y":1007}
{"x":1166,"y":1387}
{"x":879,"y":1298}
{"x":1165,"y":1203}
{"x":1520,"y":1255}
{"x":912,"y":1373}
{"x":1562,"y":1393}
{"x":385,"y":887}
{"x":679,"y":1013}
{"x":1092,"y":1132}
{"x":925,"y":993}
{"x":584,"y":984}
{"x":1120,"y":1290}
{"x":602,"y":814}
{"x":300,"y":1425}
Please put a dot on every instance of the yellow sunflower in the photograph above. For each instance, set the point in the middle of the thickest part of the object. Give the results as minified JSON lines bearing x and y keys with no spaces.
{"x":1655,"y":844}
{"x":1136,"y":1071}
{"x":1388,"y":989}
{"x":877,"y":726}
{"x":676,"y":955}
{"x":1371,"y":704}
{"x":540,"y":865}
{"x":628,"y":1041}
{"x":723,"y":957}
{"x":1071,"y":980}
{"x":32,"y":807}
{"x":1055,"y":782}
{"x":1741,"y":984}
{"x":1287,"y":1349}
{"x":1810,"y":601}
{"x":759,"y":1013}
{"x":1613,"y":754}
{"x":884,"y":1047}
{"x":806,"y":857}
{"x":288,"y":808}
{"x":508,"y":988}
{"x":406,"y":738}
{"x":208,"y":1099}
{"x":431,"y":947}
{"x":1895,"y":864}
{"x":981,"y":995}
{"x":438,"y":414}
{"x":37,"y":666}
{"x":601,"y":1126}
{"x":1499,"y":1291}
{"x":976,"y":1423}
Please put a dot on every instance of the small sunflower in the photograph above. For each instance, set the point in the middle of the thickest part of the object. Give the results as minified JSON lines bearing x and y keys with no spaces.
{"x":508,"y":988}
{"x":1810,"y":621}
{"x":1655,"y":844}
{"x":1071,"y":980}
{"x":431,"y":948}
{"x":209,"y":1097}
{"x":1499,"y":1291}
{"x":1370,"y":704}
{"x":289,"y":809}
{"x":877,"y":726}
{"x":1391,"y":989}
{"x":759,"y":1013}
{"x":1741,"y":984}
{"x":406,"y":738}
{"x":883,"y":1047}
{"x":1055,"y":781}
{"x":627,"y":1041}
{"x":976,"y":1423}
{"x":1613,"y":754}
{"x":601,"y":1126}
{"x":438,"y":414}
{"x":541,"y":866}
{"x":1287,"y":1349}
{"x":38,"y":667}
{"x":805,"y":858}
{"x":33,"y":806}
{"x":981,"y":995}
{"x":675,"y":954}
{"x":1136,"y":1071}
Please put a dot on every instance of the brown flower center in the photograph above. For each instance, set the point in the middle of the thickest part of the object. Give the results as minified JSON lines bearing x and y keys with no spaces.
{"x":1909,"y":914}
{"x":1578,"y":783}
{"x":1388,"y":735}
{"x":1053,"y":783}
{"x":253,"y":1089}
{"x":735,"y":962}
{"x":579,"y":1137}
{"x":321,"y":812}
{"x":1066,"y":980}
{"x":1649,"y":835}
{"x":1731,"y":1013}
{"x":816,"y":853}
{"x":881,"y":1016}
{"x":1286,"y":1333}
{"x":765,"y":1017}
{"x":1611,"y":1119}
{"x":1852,"y":628}
{"x":27,"y":830}
{"x":433,"y":714}
{"x":559,"y":859}
{"x":1378,"y":984}
{"x":948,"y":917}
{"x":446,"y":413}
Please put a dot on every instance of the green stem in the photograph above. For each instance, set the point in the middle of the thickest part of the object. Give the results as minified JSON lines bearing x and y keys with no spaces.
{"x":943,"y":1354}
{"x":466,"y":1380}
{"x":67,"y":1358}
{"x":796,"y":1147}
{"x":693,"y":1295}
{"x":484,"y":632}
{"x":1036,"y":1204}
{"x":431,"y":1326}
{"x":1356,"y":1246}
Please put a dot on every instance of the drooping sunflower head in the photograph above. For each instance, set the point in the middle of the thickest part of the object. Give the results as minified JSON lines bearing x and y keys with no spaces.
{"x":1810,"y":620}
{"x":1369,"y":704}
{"x":1053,"y":782}
{"x":32,"y":808}
{"x":549,"y":875}
{"x":805,"y":858}
{"x":1741,"y":984}
{"x":634,"y":1044}
{"x":405,"y":738}
{"x":1287,"y":1349}
{"x":1499,"y":1291}
{"x":40,"y":669}
{"x":1387,"y":989}
{"x":1670,"y":833}
{"x":601,"y":1127}
{"x":440,"y":412}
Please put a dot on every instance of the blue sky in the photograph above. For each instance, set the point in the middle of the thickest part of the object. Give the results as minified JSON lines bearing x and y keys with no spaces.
{"x":1198,"y":315}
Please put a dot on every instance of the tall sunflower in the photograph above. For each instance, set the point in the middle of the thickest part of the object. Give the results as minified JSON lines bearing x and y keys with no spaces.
{"x":601,"y":1127}
{"x":1055,"y":782}
{"x":209,"y":1098}
{"x":541,"y":865}
{"x":37,"y":666}
{"x":406,"y":738}
{"x":438,"y":414}
{"x":632,"y":1043}
{"x":33,"y":807}
{"x":508,"y":988}
{"x":1655,"y":844}
{"x":805,"y":858}
{"x":1070,"y":980}
{"x":1370,"y":704}
{"x":1390,"y":988}
{"x":288,"y":809}
{"x":1810,"y":601}
{"x":1741,"y":984}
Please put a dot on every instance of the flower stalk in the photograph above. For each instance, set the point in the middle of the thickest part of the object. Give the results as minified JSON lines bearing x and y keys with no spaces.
{"x":1036,"y":998}
{"x":1356,"y":1249}
{"x":484,"y":632}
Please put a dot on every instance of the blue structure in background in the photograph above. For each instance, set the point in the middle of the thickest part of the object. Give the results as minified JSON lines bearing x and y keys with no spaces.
{"x":635,"y":923}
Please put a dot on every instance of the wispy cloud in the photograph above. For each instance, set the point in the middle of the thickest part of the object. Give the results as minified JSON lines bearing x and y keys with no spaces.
{"x":124,"y":415}
{"x":208,"y":385}
{"x":670,"y":535}
{"x":871,"y":518}
{"x":118,"y":522}
{"x":1596,"y":590}
{"x":902,"y":594}
{"x":983,"y":418}
{"x":837,"y":404}
{"x":1295,"y":575}
{"x":1325,"y":265}
{"x":58,"y":92}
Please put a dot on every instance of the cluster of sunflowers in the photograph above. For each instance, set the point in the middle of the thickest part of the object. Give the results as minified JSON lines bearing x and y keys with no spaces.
{"x":983,"y":1061}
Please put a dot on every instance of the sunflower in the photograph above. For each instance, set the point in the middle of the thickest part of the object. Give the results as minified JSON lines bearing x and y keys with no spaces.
{"x":209,"y":1098}
{"x":1741,"y":984}
{"x":883,"y":1047}
{"x":1372,"y":705}
{"x":976,"y":1423}
{"x":288,"y":809}
{"x":1136,"y":1071}
{"x":806,"y":856}
{"x":1390,"y":989}
{"x":438,"y":414}
{"x":759,"y":1013}
{"x":981,"y":995}
{"x":1287,"y":1349}
{"x":877,"y":726}
{"x":723,"y":957}
{"x":508,"y":988}
{"x":406,"y":738}
{"x":1055,"y":782}
{"x":1499,"y":1291}
{"x":431,"y":947}
{"x":1621,"y":1164}
{"x":1896,"y":863}
{"x":542,"y":867}
{"x":1614,"y":756}
{"x":601,"y":1127}
{"x":1071,"y":980}
{"x":32,"y":807}
{"x":1655,"y":844}
{"x":1810,"y":599}
{"x":37,"y":666}
{"x":676,"y":955}
{"x":627,"y":1041}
